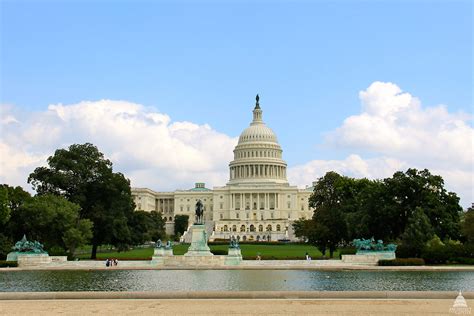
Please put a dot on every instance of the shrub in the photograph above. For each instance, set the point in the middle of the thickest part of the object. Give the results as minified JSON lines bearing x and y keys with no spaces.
{"x":402,"y":262}
{"x":5,"y":246}
{"x":218,"y":252}
{"x":462,"y":260}
{"x":403,"y":251}
{"x":441,"y":253}
{"x":347,"y":251}
{"x":5,"y":264}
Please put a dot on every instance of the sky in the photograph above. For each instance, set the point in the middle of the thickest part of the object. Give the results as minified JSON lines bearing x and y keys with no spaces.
{"x":164,"y":88}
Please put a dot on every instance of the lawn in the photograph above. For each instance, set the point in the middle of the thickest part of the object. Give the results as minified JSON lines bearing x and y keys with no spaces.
{"x":249,"y":251}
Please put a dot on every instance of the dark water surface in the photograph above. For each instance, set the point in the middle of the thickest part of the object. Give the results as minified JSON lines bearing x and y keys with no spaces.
{"x":234,"y":280}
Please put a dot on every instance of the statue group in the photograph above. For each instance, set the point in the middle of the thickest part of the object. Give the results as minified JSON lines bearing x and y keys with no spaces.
{"x":159,"y":245}
{"x":28,"y":246}
{"x":372,"y":245}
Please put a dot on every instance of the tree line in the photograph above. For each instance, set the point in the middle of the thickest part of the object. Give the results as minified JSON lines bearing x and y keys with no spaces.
{"x":410,"y":208}
{"x":79,"y":200}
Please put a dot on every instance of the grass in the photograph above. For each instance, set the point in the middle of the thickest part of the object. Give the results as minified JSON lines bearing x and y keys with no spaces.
{"x":249,"y":251}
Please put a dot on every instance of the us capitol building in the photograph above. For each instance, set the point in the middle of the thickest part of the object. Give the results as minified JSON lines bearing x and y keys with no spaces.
{"x":257,"y":204}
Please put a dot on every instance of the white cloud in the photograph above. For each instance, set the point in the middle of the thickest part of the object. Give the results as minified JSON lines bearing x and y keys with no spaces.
{"x":394,"y":128}
{"x":161,"y":154}
{"x":352,"y":166}
{"x":146,"y":145}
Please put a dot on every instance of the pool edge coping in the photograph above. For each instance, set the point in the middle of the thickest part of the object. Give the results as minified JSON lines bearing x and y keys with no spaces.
{"x":100,"y":295}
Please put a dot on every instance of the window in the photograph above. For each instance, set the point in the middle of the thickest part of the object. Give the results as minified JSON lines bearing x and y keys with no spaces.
{"x":221,"y":216}
{"x":260,"y":228}
{"x":269,"y":228}
{"x":252,"y":228}
{"x":242,"y":228}
{"x":289,"y":204}
{"x":271,"y":215}
{"x":302,"y":207}
{"x":278,"y":228}
{"x":187,"y":208}
{"x":234,"y":228}
{"x":181,"y":208}
{"x":225,"y":228}
{"x":247,"y":215}
{"x":236,"y":215}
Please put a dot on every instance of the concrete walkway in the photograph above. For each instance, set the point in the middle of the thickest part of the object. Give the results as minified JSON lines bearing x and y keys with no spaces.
{"x":231,"y":307}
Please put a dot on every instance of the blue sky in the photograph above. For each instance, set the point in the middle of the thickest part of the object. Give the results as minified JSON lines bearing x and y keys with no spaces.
{"x":204,"y":61}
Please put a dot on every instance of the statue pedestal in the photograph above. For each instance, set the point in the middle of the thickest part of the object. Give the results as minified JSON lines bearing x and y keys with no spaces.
{"x":160,"y":253}
{"x":234,"y":257}
{"x":368,"y":257}
{"x":163,"y":252}
{"x":29,"y":259}
{"x":199,"y":247}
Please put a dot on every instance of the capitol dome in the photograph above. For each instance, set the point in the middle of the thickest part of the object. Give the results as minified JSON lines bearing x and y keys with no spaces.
{"x":258,"y":155}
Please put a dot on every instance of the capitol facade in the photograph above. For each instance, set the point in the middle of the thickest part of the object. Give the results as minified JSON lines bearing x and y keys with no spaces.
{"x":257,"y":203}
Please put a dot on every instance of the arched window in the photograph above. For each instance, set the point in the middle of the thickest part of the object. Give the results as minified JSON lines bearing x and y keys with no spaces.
{"x":244,"y":238}
{"x":252,"y":228}
{"x":258,"y":238}
{"x":269,"y":228}
{"x":242,"y":228}
{"x":260,"y":228}
{"x":171,"y":219}
{"x":234,"y":228}
{"x":278,"y":228}
{"x":226,"y":228}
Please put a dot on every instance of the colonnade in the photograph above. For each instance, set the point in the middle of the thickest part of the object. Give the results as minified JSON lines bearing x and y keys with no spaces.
{"x":239,"y":201}
{"x":257,"y":171}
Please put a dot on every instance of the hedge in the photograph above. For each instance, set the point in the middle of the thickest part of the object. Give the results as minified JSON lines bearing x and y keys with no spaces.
{"x":218,"y":252}
{"x":347,"y":251}
{"x":402,"y":262}
{"x":8,"y":264}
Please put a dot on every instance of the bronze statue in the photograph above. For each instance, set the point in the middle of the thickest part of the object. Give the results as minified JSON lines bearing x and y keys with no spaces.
{"x":199,"y":212}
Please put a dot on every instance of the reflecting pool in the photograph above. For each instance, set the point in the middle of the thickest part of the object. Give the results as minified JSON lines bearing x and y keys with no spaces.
{"x":233,"y":280}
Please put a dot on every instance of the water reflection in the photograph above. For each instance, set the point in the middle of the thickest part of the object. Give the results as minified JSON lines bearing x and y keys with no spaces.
{"x":234,"y":280}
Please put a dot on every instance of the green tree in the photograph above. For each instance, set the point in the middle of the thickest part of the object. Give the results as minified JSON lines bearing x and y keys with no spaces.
{"x":147,"y":226}
{"x":404,"y":192}
{"x":4,"y":208}
{"x":329,"y":224}
{"x":302,"y":228}
{"x":467,"y":227}
{"x":16,"y":196}
{"x":82,"y":175}
{"x":180,"y":224}
{"x":52,"y":220}
{"x":11,"y":198}
{"x":417,"y":233}
{"x":157,"y":230}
